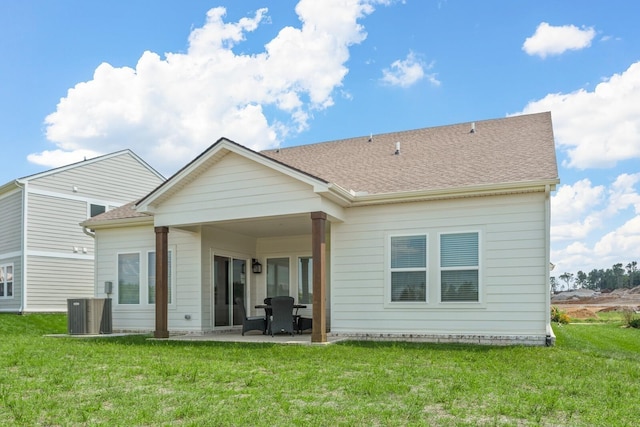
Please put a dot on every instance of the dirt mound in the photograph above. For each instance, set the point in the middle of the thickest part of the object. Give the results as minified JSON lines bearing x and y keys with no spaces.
{"x":581,"y":313}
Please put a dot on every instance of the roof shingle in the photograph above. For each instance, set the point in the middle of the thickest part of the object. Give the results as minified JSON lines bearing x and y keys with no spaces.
{"x":507,"y":150}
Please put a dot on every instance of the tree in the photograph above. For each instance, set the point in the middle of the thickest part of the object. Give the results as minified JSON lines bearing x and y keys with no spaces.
{"x":632,"y":268}
{"x":618,"y":273}
{"x":554,"y":284}
{"x":567,"y":278}
{"x":581,"y":279}
{"x":594,"y":279}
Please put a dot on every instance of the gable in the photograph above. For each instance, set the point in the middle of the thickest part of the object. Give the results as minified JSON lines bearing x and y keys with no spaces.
{"x":121,"y":177}
{"x":236,"y":187}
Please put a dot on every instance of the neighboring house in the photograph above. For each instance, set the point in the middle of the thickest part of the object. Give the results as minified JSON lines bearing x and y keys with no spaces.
{"x":45,"y":257}
{"x":439,"y":234}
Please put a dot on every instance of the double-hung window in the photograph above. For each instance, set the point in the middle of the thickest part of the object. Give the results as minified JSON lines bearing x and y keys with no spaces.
{"x":151,"y":277}
{"x":129,"y":278}
{"x":459,"y":267}
{"x":305,"y":280}
{"x":277,"y":277}
{"x":6,"y":281}
{"x":137,"y":278}
{"x":408,"y":268}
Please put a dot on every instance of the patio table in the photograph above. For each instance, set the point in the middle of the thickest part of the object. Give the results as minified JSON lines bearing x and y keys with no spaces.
{"x":296,"y":307}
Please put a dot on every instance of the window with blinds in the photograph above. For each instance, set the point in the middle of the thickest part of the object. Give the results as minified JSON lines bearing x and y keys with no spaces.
{"x":408,"y":268}
{"x":459,"y":267}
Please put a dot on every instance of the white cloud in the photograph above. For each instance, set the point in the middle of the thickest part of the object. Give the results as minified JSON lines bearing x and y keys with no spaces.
{"x":580,"y":211}
{"x":598,"y":128}
{"x":622,"y":244}
{"x":60,"y":157}
{"x":408,"y":71}
{"x":550,"y":40}
{"x":169,"y":109}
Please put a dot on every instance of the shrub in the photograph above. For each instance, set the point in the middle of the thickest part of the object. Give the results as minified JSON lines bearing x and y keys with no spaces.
{"x":558,"y":315}
{"x":635,"y":323}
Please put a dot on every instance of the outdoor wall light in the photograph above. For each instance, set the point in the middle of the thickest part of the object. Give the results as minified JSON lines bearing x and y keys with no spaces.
{"x":256,"y":267}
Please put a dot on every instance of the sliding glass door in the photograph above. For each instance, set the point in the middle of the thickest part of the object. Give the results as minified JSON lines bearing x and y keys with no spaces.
{"x":229,"y":283}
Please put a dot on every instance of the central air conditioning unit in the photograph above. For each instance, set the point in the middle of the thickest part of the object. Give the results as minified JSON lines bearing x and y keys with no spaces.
{"x":89,"y":316}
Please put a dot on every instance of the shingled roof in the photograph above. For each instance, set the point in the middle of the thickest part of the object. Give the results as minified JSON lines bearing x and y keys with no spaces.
{"x":511,"y":150}
{"x":508,"y":150}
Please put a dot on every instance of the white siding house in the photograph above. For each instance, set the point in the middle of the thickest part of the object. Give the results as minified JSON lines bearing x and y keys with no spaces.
{"x":438,"y":234}
{"x":45,"y":257}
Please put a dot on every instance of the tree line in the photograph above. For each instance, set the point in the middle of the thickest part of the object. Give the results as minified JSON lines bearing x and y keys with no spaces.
{"x":616,"y":277}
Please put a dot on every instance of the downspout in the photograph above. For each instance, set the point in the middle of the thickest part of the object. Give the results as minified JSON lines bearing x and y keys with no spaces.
{"x":550,"y":338}
{"x":23,"y":249}
{"x":87,"y":231}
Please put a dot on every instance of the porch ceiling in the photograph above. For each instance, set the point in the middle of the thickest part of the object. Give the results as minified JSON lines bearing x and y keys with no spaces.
{"x":291,"y":225}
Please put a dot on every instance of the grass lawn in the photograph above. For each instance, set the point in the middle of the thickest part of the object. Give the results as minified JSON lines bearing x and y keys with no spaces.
{"x":590,"y":378}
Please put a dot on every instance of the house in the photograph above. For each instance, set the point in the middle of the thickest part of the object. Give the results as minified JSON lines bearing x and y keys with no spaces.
{"x":45,"y":257}
{"x":438,"y":234}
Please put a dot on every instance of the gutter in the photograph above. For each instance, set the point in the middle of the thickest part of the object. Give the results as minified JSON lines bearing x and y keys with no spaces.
{"x":87,"y":231}
{"x":359,"y":199}
{"x":551,"y":338}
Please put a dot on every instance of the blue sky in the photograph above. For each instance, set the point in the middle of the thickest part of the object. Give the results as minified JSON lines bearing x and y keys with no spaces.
{"x":168,"y":78}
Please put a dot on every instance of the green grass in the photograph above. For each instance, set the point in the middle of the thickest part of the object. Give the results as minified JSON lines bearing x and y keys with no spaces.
{"x":591,"y":377}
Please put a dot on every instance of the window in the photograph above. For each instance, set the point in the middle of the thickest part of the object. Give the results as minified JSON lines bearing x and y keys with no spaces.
{"x":409,"y":268}
{"x":6,"y":281}
{"x":305,"y":280}
{"x":459,"y":267}
{"x":277,"y":277}
{"x":96,"y":210}
{"x":129,"y":278}
{"x":151,"y":277}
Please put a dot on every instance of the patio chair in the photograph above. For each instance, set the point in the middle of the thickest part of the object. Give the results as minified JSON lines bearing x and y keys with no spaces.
{"x":281,"y":320}
{"x":304,"y":323}
{"x":254,"y":323}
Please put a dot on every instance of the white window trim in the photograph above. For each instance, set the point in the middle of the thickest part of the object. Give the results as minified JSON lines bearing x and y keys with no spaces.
{"x":309,"y":304}
{"x":89,"y":204}
{"x":292,"y":289}
{"x":144,"y":280}
{"x":172,"y":250}
{"x":13,"y":282}
{"x":116,"y":291}
{"x":388,"y":303}
{"x":479,"y":268}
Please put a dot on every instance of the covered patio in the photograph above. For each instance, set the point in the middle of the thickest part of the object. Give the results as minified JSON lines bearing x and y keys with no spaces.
{"x":256,"y":338}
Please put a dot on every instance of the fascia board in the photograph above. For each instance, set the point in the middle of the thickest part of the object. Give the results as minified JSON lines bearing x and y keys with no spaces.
{"x":117,"y":223}
{"x":451,"y":193}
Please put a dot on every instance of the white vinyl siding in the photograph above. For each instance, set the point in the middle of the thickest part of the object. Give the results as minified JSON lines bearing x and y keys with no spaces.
{"x":234,"y":189}
{"x":512,"y":257}
{"x":186,"y":278}
{"x":58,"y":254}
{"x":52,"y":280}
{"x":54,"y":225}
{"x":118,"y":178}
{"x":11,"y":222}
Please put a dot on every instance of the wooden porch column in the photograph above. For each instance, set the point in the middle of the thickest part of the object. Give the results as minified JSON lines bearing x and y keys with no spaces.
{"x":162,"y":279}
{"x":318,"y":247}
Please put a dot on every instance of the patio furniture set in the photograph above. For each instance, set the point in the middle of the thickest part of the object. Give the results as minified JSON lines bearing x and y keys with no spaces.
{"x":281,"y":316}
